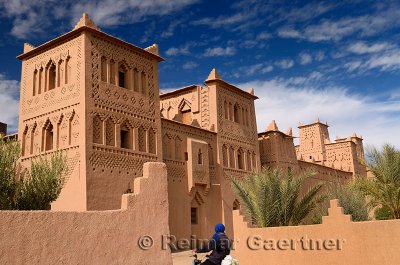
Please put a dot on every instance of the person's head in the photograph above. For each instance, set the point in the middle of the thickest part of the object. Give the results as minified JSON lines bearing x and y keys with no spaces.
{"x":219,"y":228}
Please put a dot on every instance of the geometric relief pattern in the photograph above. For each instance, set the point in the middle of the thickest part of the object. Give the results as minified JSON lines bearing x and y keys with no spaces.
{"x":176,"y":170}
{"x":74,"y":137}
{"x":120,"y":161}
{"x":110,"y":132}
{"x":152,"y":141}
{"x":97,"y":130}
{"x":112,"y":96}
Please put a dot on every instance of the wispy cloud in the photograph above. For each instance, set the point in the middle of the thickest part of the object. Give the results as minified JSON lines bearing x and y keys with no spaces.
{"x":223,"y":21}
{"x":305,"y":58}
{"x":174,"y":51}
{"x":9,"y":91}
{"x":290,"y":104}
{"x":363,"y":48}
{"x":336,"y":30}
{"x":189,"y":65}
{"x":220,"y":51}
{"x":32,"y":17}
{"x":285,"y":63}
{"x":381,"y":55}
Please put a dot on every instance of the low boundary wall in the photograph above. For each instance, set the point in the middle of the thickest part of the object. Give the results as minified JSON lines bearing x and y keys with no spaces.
{"x":96,"y":237}
{"x":336,"y":241}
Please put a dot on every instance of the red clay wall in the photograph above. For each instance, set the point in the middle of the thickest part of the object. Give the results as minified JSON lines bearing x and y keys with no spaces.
{"x":97,"y":237}
{"x":366,"y":243}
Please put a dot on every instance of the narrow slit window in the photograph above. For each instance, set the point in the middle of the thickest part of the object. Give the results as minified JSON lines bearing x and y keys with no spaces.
{"x":52,"y":76}
{"x":193,"y":216}
{"x":34,"y":82}
{"x":200,"y":157}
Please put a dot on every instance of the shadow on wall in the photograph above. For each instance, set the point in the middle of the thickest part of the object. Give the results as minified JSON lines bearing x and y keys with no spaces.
{"x":336,"y":241}
{"x":96,"y":237}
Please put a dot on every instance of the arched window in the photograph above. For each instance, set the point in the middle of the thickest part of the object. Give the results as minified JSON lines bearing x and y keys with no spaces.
{"x":60,"y":72}
{"x":240,"y":159}
{"x":32,"y":139}
{"x":230,"y":111}
{"x":249,"y":163}
{"x":103,"y":69}
{"x":24,"y":136}
{"x":125,"y":136}
{"x":34,"y":82}
{"x":112,"y":72}
{"x":199,"y":157}
{"x":231,"y":157}
{"x":48,"y":136}
{"x":52,"y":76}
{"x":236,"y":114}
{"x":123,"y":76}
{"x":40,"y":81}
{"x":67,"y":71}
{"x":144,"y":83}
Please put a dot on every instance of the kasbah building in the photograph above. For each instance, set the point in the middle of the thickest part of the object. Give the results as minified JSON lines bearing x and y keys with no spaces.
{"x":97,"y":98}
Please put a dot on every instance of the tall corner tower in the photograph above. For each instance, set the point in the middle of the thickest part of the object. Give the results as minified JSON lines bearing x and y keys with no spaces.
{"x":312,"y":141}
{"x":96,"y":98}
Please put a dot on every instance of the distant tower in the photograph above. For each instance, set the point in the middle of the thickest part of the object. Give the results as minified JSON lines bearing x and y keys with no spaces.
{"x":96,"y":98}
{"x":312,"y":141}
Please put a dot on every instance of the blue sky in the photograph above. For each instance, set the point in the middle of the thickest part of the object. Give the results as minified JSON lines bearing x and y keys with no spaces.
{"x":305,"y":59}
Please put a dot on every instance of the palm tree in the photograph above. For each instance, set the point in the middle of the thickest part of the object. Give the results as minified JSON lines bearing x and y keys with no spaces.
{"x":272,"y":198}
{"x":351,"y":199}
{"x":383,"y":189}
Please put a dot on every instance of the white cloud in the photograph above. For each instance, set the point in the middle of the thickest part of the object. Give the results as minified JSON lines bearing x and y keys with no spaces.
{"x":375,"y":56}
{"x":189,"y":65}
{"x":220,"y":51}
{"x":288,"y":33}
{"x":35,"y":16}
{"x":319,"y":56}
{"x":305,"y":58}
{"x":346,"y":113}
{"x":223,"y":21}
{"x":336,"y":30}
{"x":362,"y":47}
{"x":285,"y":63}
{"x":9,"y":91}
{"x":174,"y":51}
{"x":263,"y":36}
{"x":267,"y":69}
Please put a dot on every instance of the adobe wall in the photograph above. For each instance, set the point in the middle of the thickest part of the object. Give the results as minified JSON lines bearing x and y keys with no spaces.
{"x":107,"y":237}
{"x":277,"y":150}
{"x":113,"y":107}
{"x":191,"y":184}
{"x":336,"y":241}
{"x":175,"y":104}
